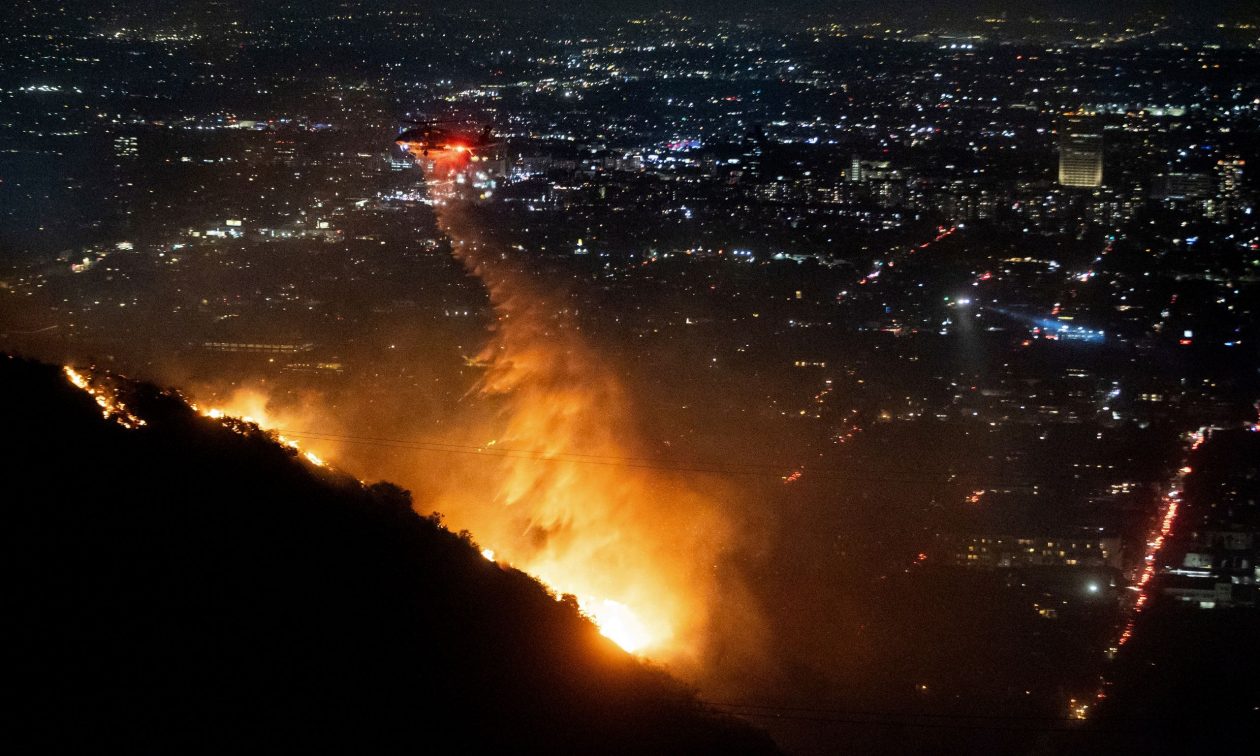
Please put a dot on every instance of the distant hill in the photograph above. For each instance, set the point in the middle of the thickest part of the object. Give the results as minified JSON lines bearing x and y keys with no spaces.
{"x":182,"y":588}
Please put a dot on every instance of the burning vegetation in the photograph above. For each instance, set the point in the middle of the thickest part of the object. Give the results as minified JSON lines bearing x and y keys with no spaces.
{"x":231,"y":591}
{"x":635,"y":545}
{"x":562,"y":490}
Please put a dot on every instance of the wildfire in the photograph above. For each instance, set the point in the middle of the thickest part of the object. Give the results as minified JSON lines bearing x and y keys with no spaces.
{"x":609,"y":537}
{"x":625,"y":542}
{"x":112,"y":408}
{"x":615,"y":619}
{"x":618,"y":623}
{"x":634,"y":546}
{"x":247,"y":409}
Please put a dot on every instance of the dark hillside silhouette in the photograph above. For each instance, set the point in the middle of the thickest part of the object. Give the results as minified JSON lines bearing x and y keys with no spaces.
{"x":183,"y":588}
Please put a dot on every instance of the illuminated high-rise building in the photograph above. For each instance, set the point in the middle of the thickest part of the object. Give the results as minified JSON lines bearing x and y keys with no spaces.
{"x":1228,"y":200}
{"x":1080,"y":154}
{"x":1229,"y":173}
{"x":126,"y":146}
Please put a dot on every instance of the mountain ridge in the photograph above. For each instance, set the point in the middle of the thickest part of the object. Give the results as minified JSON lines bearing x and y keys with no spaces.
{"x":184,"y":586}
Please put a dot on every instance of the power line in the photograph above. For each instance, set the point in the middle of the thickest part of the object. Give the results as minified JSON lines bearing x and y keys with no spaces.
{"x":761,"y":469}
{"x":890,"y":719}
{"x":876,"y":713}
{"x":902,"y":723}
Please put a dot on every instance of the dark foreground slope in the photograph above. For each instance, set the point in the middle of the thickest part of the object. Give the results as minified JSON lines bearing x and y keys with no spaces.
{"x":180,"y":587}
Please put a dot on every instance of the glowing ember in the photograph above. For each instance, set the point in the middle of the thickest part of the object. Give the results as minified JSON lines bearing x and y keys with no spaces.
{"x":77,"y":379}
{"x":112,"y":408}
{"x":247,"y":411}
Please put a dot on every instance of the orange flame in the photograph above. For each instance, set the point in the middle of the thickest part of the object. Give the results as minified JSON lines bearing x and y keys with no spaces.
{"x":637,"y":547}
{"x":254,"y":406}
{"x":634,"y":546}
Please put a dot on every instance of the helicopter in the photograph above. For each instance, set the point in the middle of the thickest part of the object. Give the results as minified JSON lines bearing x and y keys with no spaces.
{"x":433,"y":139}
